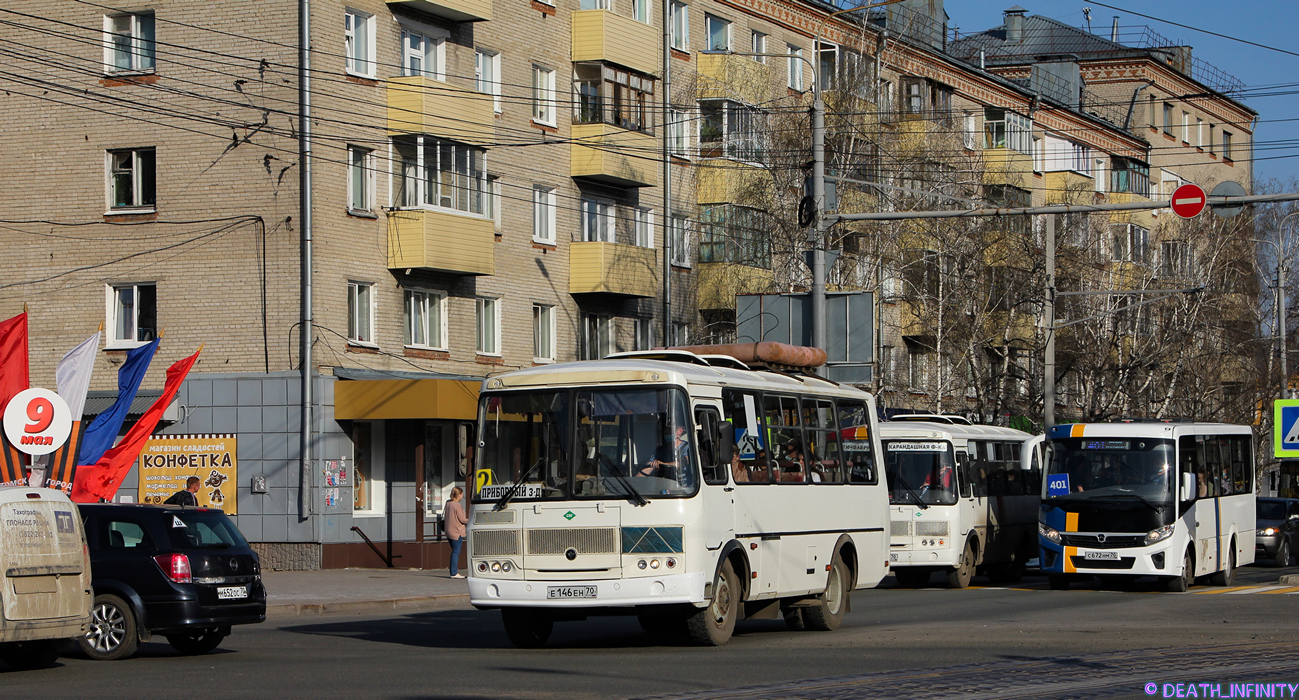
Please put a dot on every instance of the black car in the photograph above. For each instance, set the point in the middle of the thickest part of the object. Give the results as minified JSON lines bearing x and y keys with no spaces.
{"x":184,"y":573}
{"x":1278,"y":530}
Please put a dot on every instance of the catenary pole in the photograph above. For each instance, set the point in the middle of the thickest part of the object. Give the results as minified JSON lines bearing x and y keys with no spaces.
{"x":667,"y":173}
{"x":306,"y":330}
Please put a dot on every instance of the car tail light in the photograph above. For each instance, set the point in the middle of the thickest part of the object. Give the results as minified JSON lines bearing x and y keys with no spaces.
{"x":175,"y":567}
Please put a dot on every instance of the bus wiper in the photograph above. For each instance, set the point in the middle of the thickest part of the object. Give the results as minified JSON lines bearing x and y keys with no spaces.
{"x":505,"y":499}
{"x":919,"y":501}
{"x":631,"y":490}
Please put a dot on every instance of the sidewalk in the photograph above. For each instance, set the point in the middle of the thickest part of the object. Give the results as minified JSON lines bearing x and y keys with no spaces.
{"x":361,"y":591}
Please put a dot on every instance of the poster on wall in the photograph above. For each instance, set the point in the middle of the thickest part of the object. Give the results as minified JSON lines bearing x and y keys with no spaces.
{"x":167,"y":462}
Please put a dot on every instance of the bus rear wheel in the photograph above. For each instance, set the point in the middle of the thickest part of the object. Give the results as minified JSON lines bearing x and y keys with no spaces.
{"x":528,"y":629}
{"x":960,"y":575}
{"x":1181,"y":584}
{"x":828,"y":613}
{"x":713,"y":625}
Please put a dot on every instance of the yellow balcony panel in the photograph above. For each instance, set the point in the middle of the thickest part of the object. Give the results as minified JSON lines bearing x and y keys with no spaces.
{"x":439,"y":240}
{"x":598,"y":267}
{"x":455,"y":10}
{"x":614,"y":155}
{"x":601,"y":35}
{"x":1069,"y":187}
{"x":725,"y":181}
{"x":422,"y":105}
{"x":720,"y":282}
{"x":729,"y":77}
{"x":1005,"y":166}
{"x":1145,"y":218}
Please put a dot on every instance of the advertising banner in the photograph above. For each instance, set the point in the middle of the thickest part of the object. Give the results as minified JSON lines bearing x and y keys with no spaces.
{"x":167,"y":462}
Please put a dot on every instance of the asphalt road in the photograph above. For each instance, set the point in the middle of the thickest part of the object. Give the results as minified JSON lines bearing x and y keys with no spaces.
{"x":1026,"y":642}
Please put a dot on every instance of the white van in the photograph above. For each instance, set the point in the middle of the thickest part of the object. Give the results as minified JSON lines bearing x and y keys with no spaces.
{"x":45,"y":591}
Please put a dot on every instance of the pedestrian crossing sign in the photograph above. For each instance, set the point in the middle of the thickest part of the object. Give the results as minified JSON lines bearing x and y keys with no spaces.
{"x":1285,"y":428}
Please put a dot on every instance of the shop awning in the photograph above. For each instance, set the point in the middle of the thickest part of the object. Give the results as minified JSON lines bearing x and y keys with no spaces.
{"x":398,"y":399}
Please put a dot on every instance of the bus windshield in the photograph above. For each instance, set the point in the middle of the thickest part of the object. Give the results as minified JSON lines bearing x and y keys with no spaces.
{"x":920,"y":471}
{"x":558,"y":444}
{"x":1099,"y":468}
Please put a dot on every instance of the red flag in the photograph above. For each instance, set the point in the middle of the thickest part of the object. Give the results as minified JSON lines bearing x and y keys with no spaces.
{"x":101,"y":479}
{"x":13,"y":379}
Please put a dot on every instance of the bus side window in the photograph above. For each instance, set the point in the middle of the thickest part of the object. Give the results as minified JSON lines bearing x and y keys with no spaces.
{"x":1242,"y":463}
{"x":963,"y":472}
{"x":706,"y":419}
{"x":1192,"y":456}
{"x":979,"y":469}
{"x":856,"y":442}
{"x":743,"y":412}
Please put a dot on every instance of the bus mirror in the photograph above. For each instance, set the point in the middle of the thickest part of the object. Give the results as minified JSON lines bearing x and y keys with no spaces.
{"x":1188,"y":486}
{"x":725,"y":446}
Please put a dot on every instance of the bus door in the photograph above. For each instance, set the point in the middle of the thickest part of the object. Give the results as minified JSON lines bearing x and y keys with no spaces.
{"x":974,"y":517}
{"x":717,"y":493}
{"x":1198,"y":455}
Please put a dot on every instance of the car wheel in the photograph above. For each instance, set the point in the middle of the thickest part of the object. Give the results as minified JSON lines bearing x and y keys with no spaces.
{"x":26,"y":656}
{"x":528,"y":629}
{"x":912,"y":577}
{"x":828,"y":613}
{"x":1283,"y":553}
{"x":713,"y":625}
{"x":1183,"y":583}
{"x":113,"y":633}
{"x":959,"y":576}
{"x":200,"y":642}
{"x":1228,"y":575}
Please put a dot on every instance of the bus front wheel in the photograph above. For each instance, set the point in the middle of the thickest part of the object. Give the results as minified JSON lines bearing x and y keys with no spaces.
{"x":959,"y":576}
{"x":1181,"y":584}
{"x":713,"y":625}
{"x":827,"y":614}
{"x":1227,"y":576}
{"x":528,"y":629}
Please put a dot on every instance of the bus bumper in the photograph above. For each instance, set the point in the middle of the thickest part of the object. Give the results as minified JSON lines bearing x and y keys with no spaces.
{"x":922,"y":557}
{"x":617,"y":593}
{"x":1154,"y":560}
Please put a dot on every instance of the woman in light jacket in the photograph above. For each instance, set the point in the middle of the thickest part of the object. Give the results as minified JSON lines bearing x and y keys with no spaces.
{"x":455,"y":521}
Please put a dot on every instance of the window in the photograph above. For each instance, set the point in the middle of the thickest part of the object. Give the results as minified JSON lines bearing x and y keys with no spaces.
{"x":425,"y":326}
{"x":1005,"y":129}
{"x":358,"y":43}
{"x":1131,"y":176}
{"x":1131,"y":243}
{"x":913,"y":95}
{"x":733,"y":234}
{"x":487,"y":75}
{"x":1039,"y":155}
{"x":730,"y":130}
{"x":487,"y":318}
{"x":644,"y":334}
{"x":1186,"y":127}
{"x":886,"y":100}
{"x":1226,"y":145}
{"x":360,"y":312}
{"x":678,"y":133}
{"x":543,"y":333}
{"x":605,"y":94}
{"x":680,"y":240}
{"x":421,"y":54}
{"x":827,"y":65}
{"x":543,"y":214}
{"x":643,"y":219}
{"x":597,"y":220}
{"x":719,"y":33}
{"x":129,"y":45}
{"x":970,"y":132}
{"x":367,"y":459}
{"x":543,"y":95}
{"x":360,"y":179}
{"x":918,"y":369}
{"x":597,"y":337}
{"x":492,"y":200}
{"x":593,"y":5}
{"x":641,"y":10}
{"x":453,"y":175}
{"x":1209,"y":141}
{"x":1168,"y":119}
{"x":1176,"y":259}
{"x":132,"y":314}
{"x":680,"y":333}
{"x":680,"y":30}
{"x":1199,"y":132}
{"x":132,"y":179}
{"x":1098,"y":174}
{"x":795,"y":67}
{"x":123,"y":534}
{"x":758,"y":45}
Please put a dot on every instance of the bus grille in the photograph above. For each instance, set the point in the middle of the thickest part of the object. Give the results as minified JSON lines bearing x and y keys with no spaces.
{"x":494,"y":517}
{"x":601,"y":540}
{"x":494,"y":543}
{"x":937,"y":528}
{"x":1111,"y":541}
{"x":900,"y":528}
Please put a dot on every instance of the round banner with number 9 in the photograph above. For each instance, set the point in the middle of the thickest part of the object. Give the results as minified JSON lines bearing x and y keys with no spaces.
{"x":37,"y":421}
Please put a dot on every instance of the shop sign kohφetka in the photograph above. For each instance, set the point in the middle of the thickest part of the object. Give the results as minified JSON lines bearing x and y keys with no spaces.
{"x":167,"y":462}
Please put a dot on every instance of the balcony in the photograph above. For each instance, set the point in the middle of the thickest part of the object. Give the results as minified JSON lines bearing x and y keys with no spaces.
{"x":727,"y":181}
{"x":454,"y":10}
{"x":1142,"y":217}
{"x":423,"y":105}
{"x":1005,"y":166}
{"x":601,"y":35}
{"x":598,"y":267}
{"x":720,"y":282}
{"x":613,"y":155}
{"x":740,"y":78}
{"x":443,"y":241}
{"x":1069,"y":187}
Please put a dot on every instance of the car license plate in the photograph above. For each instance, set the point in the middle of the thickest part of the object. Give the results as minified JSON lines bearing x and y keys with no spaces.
{"x":1103,"y":556}
{"x":562,"y":592}
{"x":232,"y":592}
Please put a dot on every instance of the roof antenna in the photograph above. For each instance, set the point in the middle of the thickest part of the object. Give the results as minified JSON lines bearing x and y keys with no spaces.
{"x":1087,"y":15}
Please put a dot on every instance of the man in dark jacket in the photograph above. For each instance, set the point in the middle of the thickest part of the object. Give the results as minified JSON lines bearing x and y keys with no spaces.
{"x":185,"y":497}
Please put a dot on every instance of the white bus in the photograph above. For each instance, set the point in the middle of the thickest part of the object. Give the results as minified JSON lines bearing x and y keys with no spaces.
{"x":691,"y":492}
{"x":1172,"y":500}
{"x":962,"y":497}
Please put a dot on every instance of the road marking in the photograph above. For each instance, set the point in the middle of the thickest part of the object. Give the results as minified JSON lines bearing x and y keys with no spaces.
{"x":1287,"y":590}
{"x":1256,"y":589}
{"x":1223,"y":590}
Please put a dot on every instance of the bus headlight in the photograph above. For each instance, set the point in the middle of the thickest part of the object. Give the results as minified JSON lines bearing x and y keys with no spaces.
{"x":1048,"y":532}
{"x":1159,"y":535}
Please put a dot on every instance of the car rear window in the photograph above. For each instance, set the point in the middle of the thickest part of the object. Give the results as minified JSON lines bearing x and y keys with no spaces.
{"x":203,"y":530}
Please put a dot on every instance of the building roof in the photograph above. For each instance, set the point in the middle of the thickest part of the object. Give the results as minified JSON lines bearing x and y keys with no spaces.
{"x":99,"y":401}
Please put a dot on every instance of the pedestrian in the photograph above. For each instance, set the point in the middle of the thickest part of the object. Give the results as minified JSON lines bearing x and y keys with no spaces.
{"x":455,"y":520}
{"x":185,"y":496}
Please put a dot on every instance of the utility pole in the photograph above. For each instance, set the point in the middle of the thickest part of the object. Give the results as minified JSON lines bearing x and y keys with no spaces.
{"x":1280,"y":323}
{"x":1048,"y":323}
{"x":817,"y":233}
{"x":306,"y":329}
{"x":667,"y":174}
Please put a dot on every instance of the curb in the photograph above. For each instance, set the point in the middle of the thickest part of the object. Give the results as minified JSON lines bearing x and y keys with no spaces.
{"x":1289,"y":580}
{"x":420,"y":603}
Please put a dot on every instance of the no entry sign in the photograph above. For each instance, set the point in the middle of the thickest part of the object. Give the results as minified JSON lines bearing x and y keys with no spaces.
{"x":1188,"y":201}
